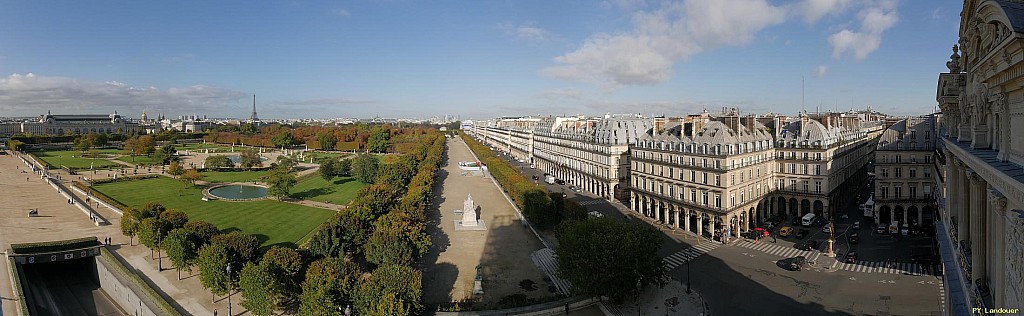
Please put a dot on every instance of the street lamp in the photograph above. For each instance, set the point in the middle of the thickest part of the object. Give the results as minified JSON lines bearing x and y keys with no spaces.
{"x":229,"y":288}
{"x":639,"y":307}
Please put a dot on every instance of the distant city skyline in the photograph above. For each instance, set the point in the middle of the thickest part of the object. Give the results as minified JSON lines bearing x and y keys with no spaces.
{"x":476,"y":60}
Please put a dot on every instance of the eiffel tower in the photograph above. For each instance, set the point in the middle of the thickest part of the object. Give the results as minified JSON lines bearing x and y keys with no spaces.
{"x":253,"y":117}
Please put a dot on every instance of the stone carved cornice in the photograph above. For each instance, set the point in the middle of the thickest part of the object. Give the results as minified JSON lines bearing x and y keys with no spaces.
{"x":997,"y":199}
{"x":974,"y":176}
{"x":1013,"y":189}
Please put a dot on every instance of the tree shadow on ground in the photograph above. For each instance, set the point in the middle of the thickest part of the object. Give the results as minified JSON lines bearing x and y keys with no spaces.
{"x":305,"y":195}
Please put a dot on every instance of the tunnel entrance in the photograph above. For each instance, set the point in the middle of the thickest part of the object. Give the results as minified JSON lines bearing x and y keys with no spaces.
{"x":61,"y":278}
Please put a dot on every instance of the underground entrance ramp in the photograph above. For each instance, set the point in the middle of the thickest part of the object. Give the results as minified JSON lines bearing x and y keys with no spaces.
{"x":61,"y":278}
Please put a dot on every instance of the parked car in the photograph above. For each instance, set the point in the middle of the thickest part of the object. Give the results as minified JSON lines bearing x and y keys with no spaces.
{"x":883,"y":229}
{"x":802,"y":234}
{"x":807,"y":245}
{"x":574,"y":189}
{"x":851,"y":257}
{"x":819,"y":221}
{"x":856,"y":225}
{"x":826,"y":229}
{"x":560,"y":182}
{"x":534,"y":177}
{"x":854,"y":238}
{"x":786,"y":231}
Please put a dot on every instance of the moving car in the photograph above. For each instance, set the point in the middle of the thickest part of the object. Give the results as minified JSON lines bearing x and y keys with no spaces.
{"x":856,"y":225}
{"x":560,"y":181}
{"x":786,"y":231}
{"x":826,"y":229}
{"x":796,"y":263}
{"x":534,"y":177}
{"x":802,"y":233}
{"x":854,"y":238}
{"x":807,"y":245}
{"x":882,"y":229}
{"x":851,"y":257}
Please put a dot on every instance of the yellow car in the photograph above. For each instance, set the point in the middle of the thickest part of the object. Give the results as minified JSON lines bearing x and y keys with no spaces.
{"x":785,"y":231}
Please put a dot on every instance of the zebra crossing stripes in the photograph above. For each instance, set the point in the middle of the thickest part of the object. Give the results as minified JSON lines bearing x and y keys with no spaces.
{"x":881,"y":267}
{"x":679,"y":258}
{"x":546,"y":261}
{"x":781,"y":251}
{"x":590,"y":202}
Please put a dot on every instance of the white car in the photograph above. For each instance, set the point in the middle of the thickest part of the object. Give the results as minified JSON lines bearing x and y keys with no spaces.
{"x":827,"y":229}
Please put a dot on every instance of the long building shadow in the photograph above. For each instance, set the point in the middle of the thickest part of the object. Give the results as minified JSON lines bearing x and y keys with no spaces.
{"x":439,"y":278}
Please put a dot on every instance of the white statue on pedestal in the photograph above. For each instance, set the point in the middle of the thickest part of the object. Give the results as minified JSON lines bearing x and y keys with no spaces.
{"x":469,"y":212}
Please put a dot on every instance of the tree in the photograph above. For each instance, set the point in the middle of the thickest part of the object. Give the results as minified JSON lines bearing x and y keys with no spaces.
{"x":248,"y":129}
{"x":130,"y":224}
{"x":343,"y":168}
{"x":151,"y":232}
{"x":328,"y":168}
{"x":380,"y":139}
{"x":286,"y":162}
{"x":326,"y":140}
{"x":329,"y":284}
{"x":287,"y":266}
{"x":343,"y":234}
{"x":388,"y":247}
{"x":605,"y":257}
{"x":241,"y":247}
{"x":364,"y":168}
{"x":181,"y":246}
{"x":151,"y":209}
{"x":281,"y":182}
{"x":405,"y":283}
{"x":203,"y":231}
{"x":174,"y":218}
{"x":219,"y":161}
{"x":165,"y":154}
{"x":146,"y":145}
{"x":250,"y":159}
{"x":282,"y":139}
{"x":192,"y":175}
{"x":175,"y":169}
{"x":256,"y":282}
{"x":213,"y":261}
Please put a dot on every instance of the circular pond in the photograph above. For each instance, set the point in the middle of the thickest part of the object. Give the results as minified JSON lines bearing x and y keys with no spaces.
{"x":236,"y":159}
{"x":238,"y":192}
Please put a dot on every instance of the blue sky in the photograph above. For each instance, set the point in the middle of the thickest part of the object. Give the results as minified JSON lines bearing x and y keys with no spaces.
{"x":477,"y":59}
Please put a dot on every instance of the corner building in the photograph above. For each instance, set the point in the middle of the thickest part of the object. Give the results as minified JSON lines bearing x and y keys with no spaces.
{"x":981,"y":224}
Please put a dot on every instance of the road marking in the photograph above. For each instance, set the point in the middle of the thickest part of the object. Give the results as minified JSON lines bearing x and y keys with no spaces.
{"x":853,"y":279}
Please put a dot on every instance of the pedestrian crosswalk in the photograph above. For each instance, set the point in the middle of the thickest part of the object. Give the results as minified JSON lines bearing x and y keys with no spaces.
{"x":591,"y":202}
{"x":882,"y":267}
{"x":681,"y":257}
{"x":546,"y":261}
{"x":781,"y":251}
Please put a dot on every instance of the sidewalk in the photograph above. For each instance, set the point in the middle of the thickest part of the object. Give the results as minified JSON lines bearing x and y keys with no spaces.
{"x":669,"y":300}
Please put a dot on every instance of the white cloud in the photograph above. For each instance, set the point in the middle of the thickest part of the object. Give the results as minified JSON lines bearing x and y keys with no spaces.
{"x":820,"y":71}
{"x":535,"y":34}
{"x":340,"y":12}
{"x":30,"y":94}
{"x":875,"y":19}
{"x":659,"y":38}
{"x":814,"y":10}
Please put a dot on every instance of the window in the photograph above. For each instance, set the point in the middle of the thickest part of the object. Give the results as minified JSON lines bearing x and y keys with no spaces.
{"x":743,"y":197}
{"x":927,"y":134}
{"x":913,"y":173}
{"x":898,"y":172}
{"x":806,"y":184}
{"x":927,"y":190}
{"x":927,"y":172}
{"x":732,"y":199}
{"x":704,"y":163}
{"x":792,"y":168}
{"x":898,"y":191}
{"x":693,"y":195}
{"x":817,"y":156}
{"x":705,"y":178}
{"x":804,"y":167}
{"x":817,"y":170}
{"x":885,"y":173}
{"x":732,"y":179}
{"x":817,"y":186}
{"x":913,"y":192}
{"x":792,"y":185}
{"x":705,"y":195}
{"x":693,"y":176}
{"x":885,"y":192}
{"x":782,"y":184}
{"x":718,"y":180}
{"x":898,"y":158}
{"x":913,"y":158}
{"x":718,"y":200}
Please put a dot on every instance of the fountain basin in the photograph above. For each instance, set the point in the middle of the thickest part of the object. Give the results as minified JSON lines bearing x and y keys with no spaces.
{"x":236,"y":192}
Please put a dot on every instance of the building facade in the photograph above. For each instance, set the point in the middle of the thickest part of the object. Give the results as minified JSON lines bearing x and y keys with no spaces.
{"x":981,"y":227}
{"x":71,"y":124}
{"x":904,"y":168}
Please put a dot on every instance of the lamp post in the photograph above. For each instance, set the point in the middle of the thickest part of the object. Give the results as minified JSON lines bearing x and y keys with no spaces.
{"x":159,"y":257}
{"x":639,"y":307}
{"x":229,"y":288}
{"x":688,"y":277}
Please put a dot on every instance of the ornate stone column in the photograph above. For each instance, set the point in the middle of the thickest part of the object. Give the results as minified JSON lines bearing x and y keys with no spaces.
{"x":657,"y":211}
{"x":963,"y":202}
{"x":700,"y":224}
{"x":997,"y":240}
{"x":676,"y":214}
{"x":686,"y":218}
{"x":978,"y":210}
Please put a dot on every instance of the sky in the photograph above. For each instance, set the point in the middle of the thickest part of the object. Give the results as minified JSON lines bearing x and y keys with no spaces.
{"x":471,"y":59}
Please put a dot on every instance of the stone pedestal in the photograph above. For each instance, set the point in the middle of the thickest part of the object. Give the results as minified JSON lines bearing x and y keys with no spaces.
{"x":469,"y":218}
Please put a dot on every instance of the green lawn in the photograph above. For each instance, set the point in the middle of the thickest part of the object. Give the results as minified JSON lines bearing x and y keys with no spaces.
{"x":319,"y":155}
{"x":315,"y":188}
{"x":273,"y":222}
{"x":213,"y":147}
{"x":73,"y":159}
{"x":232,"y":176}
{"x":138,"y":160}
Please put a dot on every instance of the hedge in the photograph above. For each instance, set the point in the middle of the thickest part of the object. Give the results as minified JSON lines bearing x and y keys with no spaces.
{"x":134,"y":277}
{"x":56,"y":245}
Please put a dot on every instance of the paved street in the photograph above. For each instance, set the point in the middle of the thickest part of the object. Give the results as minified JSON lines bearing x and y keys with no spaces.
{"x":745,"y":278}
